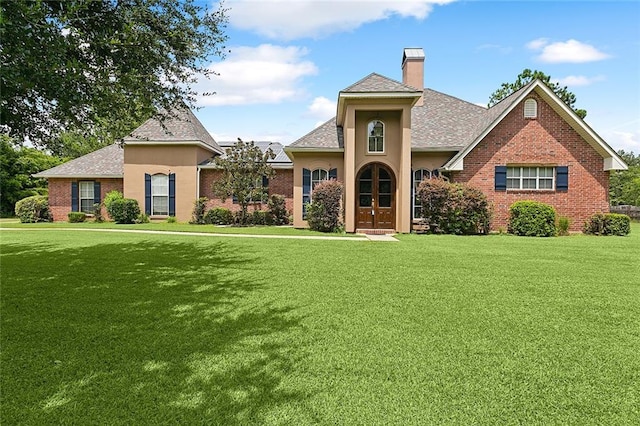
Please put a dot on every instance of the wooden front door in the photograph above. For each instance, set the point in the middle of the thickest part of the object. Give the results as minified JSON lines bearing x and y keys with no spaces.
{"x":375,"y":201}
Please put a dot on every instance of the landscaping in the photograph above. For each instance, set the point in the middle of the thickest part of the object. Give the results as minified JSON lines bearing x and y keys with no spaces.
{"x":119,"y":328}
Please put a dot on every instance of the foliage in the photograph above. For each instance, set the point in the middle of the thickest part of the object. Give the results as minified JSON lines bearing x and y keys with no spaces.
{"x":243,"y":168}
{"x":324,"y":213}
{"x":172,"y":219}
{"x":261,"y":217}
{"x":624,"y":185}
{"x":17,"y":164}
{"x":76,"y":217}
{"x":97,"y":66}
{"x":532,"y":219}
{"x":199,"y":210}
{"x":33,"y":209}
{"x":219,"y":216}
{"x":454,"y":208}
{"x":110,"y":199}
{"x":608,"y":224}
{"x":143,"y":218}
{"x":97,"y":213}
{"x":526,"y":77}
{"x":563,"y":225}
{"x":278,"y":209}
{"x":124,"y":210}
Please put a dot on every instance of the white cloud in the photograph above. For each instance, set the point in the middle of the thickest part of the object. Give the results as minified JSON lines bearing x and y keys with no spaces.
{"x":321,"y":108}
{"x":629,"y":141}
{"x":257,"y":75}
{"x":571,"y":51}
{"x":291,"y":19}
{"x":579,"y":80}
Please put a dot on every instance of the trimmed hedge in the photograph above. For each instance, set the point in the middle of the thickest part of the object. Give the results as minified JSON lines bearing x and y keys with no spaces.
{"x":532,"y":219}
{"x":77,"y":217}
{"x":219,"y":216}
{"x":608,"y":224}
{"x":324,"y":214}
{"x":124,"y":210}
{"x":33,"y":209}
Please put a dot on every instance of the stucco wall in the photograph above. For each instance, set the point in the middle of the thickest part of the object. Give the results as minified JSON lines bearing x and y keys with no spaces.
{"x":545,"y":141}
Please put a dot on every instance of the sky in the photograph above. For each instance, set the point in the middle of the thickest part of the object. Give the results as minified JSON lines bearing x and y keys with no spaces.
{"x":288,"y":59}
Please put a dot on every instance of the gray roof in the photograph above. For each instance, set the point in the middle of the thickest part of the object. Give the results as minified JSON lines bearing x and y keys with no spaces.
{"x":325,"y":136}
{"x":177,"y":125}
{"x":280,"y":159}
{"x":378,"y":83}
{"x":105,"y":162}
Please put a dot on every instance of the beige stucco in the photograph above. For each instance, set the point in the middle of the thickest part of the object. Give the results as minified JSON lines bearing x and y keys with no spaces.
{"x":430,"y":160}
{"x":181,"y":159}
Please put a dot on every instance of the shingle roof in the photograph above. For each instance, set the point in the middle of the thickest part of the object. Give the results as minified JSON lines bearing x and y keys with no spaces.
{"x":105,"y":162}
{"x":177,"y":125}
{"x":327,"y":135}
{"x":280,"y":159}
{"x":378,"y":83}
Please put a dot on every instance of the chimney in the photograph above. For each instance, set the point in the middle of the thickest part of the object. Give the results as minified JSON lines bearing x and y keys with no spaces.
{"x":413,"y":69}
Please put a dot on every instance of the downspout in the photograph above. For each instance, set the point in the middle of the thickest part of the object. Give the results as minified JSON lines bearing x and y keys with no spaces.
{"x":198,"y":182}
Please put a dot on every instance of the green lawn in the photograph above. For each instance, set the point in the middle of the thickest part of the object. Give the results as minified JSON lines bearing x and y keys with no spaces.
{"x":109,"y":328}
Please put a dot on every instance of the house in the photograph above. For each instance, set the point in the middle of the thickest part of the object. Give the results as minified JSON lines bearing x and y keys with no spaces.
{"x":386,"y":137}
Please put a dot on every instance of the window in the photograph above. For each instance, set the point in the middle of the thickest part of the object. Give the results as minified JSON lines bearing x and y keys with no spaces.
{"x":530,"y":108}
{"x":535,"y":178}
{"x":160,"y":195}
{"x":86,"y":196}
{"x":375,"y":130}
{"x":317,"y":176}
{"x":418,"y":176}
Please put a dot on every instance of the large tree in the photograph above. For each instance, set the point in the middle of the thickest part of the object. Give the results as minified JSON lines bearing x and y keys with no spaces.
{"x":528,"y":76}
{"x":243,"y":169}
{"x":101,"y":66}
{"x":624,"y":185}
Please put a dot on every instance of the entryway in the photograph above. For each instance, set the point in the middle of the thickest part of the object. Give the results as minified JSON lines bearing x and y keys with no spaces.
{"x":375,"y":199}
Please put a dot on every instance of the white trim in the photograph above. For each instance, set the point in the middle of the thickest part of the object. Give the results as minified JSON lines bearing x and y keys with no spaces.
{"x":200,"y":144}
{"x":40,"y":176}
{"x":384,"y":144}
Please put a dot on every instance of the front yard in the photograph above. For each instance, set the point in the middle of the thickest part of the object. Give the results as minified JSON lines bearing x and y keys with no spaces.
{"x":111,"y":328}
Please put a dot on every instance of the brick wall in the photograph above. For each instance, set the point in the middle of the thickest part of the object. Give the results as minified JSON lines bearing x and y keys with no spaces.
{"x":60,"y":195}
{"x":281,"y":183}
{"x":547,"y":140}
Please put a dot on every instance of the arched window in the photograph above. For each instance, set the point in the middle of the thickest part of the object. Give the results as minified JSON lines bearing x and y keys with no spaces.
{"x":530,"y":108}
{"x":418,"y":176}
{"x":317,"y":176}
{"x":375,"y":132}
{"x":159,"y":195}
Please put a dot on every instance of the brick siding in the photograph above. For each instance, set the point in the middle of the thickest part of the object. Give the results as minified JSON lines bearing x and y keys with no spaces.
{"x":547,"y":140}
{"x":60,"y":195}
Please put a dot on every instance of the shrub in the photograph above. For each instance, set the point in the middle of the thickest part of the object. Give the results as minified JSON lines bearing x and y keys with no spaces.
{"x":532,"y":219}
{"x":33,"y":209}
{"x":199,"y":211}
{"x":324,"y":214}
{"x":76,"y":217}
{"x":261,"y":217}
{"x":97,"y":213}
{"x":218,"y":216}
{"x":110,"y":198}
{"x":278,"y":209}
{"x":142,"y":218}
{"x":454,"y":208}
{"x":172,"y":219}
{"x":608,"y":224}
{"x":124,"y":210}
{"x":563,"y":225}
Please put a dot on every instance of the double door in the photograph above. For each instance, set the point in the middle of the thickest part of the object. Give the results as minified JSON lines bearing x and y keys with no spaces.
{"x":375,"y":201}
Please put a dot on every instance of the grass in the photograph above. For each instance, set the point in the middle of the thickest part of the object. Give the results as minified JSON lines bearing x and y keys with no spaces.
{"x":143,"y":329}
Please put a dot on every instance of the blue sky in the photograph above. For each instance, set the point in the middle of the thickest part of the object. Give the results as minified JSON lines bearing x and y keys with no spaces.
{"x":289,"y":58}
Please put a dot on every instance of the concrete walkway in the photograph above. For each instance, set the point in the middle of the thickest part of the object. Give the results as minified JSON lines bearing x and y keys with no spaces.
{"x":358,"y":237}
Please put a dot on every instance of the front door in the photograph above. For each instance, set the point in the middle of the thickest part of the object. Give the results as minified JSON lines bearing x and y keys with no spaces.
{"x":375,"y":202}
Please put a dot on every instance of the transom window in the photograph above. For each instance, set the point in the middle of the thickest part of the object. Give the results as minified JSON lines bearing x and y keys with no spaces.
{"x":530,"y":108}
{"x":160,"y":195}
{"x":537,"y":178}
{"x":317,"y":176}
{"x":375,"y":132}
{"x":86,"y":196}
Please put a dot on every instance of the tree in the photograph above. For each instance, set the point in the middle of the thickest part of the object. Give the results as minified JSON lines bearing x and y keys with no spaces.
{"x":16,"y":168}
{"x":243,"y":168}
{"x":624,"y":185}
{"x":101,"y":66}
{"x":526,"y":77}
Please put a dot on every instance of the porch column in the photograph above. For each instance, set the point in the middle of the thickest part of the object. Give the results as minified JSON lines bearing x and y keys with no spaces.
{"x":349,"y":130}
{"x":403,"y":221}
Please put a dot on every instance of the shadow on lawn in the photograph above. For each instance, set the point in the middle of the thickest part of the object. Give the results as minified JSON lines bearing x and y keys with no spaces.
{"x":147,"y":332}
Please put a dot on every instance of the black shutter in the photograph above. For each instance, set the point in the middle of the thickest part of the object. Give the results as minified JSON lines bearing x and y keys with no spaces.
{"x":333,"y":174}
{"x":562,"y":178}
{"x":172,"y":194}
{"x":501,"y":178}
{"x":74,"y":197}
{"x":147,"y":194}
{"x":96,"y":193}
{"x":306,"y":191}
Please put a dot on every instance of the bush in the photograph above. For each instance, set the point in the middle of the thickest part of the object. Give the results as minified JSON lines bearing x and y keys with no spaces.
{"x":33,"y":209}
{"x":324,"y":214}
{"x":172,"y":219}
{"x":199,"y":211}
{"x":608,"y":224}
{"x":278,"y":209}
{"x":532,"y":219}
{"x":563,"y":225}
{"x":124,"y":210}
{"x":97,"y":213}
{"x":110,"y":198}
{"x":261,"y":217}
{"x":219,"y":216}
{"x":77,"y":217}
{"x":454,"y":208}
{"x":142,"y":218}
